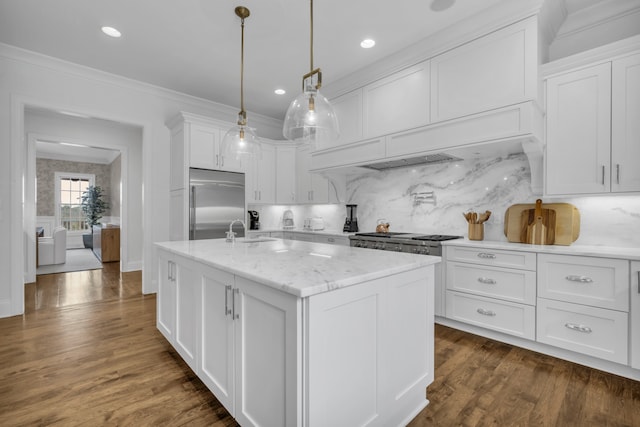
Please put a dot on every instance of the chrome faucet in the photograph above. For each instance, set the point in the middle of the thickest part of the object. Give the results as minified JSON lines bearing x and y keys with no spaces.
{"x":231,"y":236}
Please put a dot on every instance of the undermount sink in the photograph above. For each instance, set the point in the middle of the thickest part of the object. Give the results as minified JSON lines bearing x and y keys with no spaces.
{"x":260,"y":239}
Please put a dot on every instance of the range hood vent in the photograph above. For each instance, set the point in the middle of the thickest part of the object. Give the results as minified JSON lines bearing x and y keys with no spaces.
{"x":412,"y":161}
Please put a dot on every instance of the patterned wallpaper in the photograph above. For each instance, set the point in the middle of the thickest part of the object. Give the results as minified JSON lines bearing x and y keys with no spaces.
{"x":45,"y":181}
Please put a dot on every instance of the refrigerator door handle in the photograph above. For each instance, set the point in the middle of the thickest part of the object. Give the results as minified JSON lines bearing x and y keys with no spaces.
{"x":192,"y":214}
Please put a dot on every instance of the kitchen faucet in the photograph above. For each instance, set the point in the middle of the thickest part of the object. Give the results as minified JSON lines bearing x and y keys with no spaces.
{"x":231,"y":236}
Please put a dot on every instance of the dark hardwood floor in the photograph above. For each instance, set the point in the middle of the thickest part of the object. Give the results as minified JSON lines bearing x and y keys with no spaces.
{"x":87,"y":352}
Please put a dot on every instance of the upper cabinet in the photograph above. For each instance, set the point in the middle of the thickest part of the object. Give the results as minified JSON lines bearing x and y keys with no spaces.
{"x":196,"y":142}
{"x":285,"y":174}
{"x":260,"y":180}
{"x":593,"y":127}
{"x":493,"y":71}
{"x":397,"y":102}
{"x":310,"y":187}
{"x":348,"y":108}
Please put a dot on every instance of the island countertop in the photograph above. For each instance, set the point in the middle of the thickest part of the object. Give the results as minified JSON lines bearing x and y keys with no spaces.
{"x":299,"y":268}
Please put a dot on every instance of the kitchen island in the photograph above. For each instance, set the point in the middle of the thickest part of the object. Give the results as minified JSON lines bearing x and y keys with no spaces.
{"x":291,"y":333}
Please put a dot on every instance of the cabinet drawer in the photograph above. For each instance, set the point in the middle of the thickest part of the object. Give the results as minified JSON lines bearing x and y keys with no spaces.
{"x":599,"y":282}
{"x":507,"y":317}
{"x":332,"y":240}
{"x":507,"y":284}
{"x":498,"y":258}
{"x":588,"y":330}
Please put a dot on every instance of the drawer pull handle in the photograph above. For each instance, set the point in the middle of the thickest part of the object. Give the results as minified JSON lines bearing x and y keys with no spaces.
{"x":581,"y":279}
{"x":579,"y":328}
{"x":486,"y":255}
{"x":486,"y":280}
{"x":486,"y":312}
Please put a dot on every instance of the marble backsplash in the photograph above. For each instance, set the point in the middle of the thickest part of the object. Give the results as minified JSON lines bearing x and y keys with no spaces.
{"x":430,"y":199}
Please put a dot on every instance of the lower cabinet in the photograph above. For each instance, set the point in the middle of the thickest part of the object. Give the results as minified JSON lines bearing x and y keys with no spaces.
{"x":248,"y":352}
{"x":360,"y":355}
{"x":635,"y":315}
{"x":579,"y":305}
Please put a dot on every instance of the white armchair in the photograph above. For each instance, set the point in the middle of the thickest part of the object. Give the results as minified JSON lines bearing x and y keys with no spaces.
{"x":53,"y":250}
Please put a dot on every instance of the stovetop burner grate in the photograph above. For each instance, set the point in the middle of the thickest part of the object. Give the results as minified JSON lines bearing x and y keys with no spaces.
{"x":436,"y":237}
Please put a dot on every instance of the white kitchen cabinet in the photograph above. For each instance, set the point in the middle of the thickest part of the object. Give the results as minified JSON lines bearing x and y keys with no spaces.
{"x":348,"y":108}
{"x":285,"y":174}
{"x":196,"y":143}
{"x":310,"y":187}
{"x":592,"y":126}
{"x":166,"y":298}
{"x":492,"y":71}
{"x":493,"y":289}
{"x":178,"y":292}
{"x":583,"y":305}
{"x":397,"y":102}
{"x":634,"y":312}
{"x":625,"y":126}
{"x":579,"y":131}
{"x":260,"y":179}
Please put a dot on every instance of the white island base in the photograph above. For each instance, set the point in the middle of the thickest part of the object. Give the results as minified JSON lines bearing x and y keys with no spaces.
{"x":352,"y":349}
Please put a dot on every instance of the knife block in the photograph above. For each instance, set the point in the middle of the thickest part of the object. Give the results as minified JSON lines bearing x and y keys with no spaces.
{"x":476,"y":231}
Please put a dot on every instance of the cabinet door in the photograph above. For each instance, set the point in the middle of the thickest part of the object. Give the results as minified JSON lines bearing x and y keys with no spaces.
{"x":310,"y":187}
{"x":267,"y":345}
{"x":187,"y":284}
{"x":493,"y":71}
{"x":261,"y":176}
{"x":216,"y":366}
{"x":166,"y":298}
{"x":203,"y":147}
{"x":266,"y":177}
{"x":397,"y":102}
{"x":635,"y":315}
{"x":178,"y":215}
{"x":348,"y":108}
{"x":625,"y":130}
{"x":579,"y":131}
{"x":285,"y":175}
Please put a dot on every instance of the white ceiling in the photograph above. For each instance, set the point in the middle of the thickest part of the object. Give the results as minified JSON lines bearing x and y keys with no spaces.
{"x":193,"y":46}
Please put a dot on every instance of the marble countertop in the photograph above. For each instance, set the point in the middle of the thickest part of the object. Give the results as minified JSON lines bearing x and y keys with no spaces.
{"x":300,"y":268}
{"x":584,"y":250}
{"x":326,"y":232}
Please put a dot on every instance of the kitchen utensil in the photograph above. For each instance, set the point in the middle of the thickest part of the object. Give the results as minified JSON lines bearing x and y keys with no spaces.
{"x":382,"y":226}
{"x":565,"y":230}
{"x":316,"y":224}
{"x":476,"y":231}
{"x":484,"y":217}
{"x":537,"y":229}
{"x":254,"y":220}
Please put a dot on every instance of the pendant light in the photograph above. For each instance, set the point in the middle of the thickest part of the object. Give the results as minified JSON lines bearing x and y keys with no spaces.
{"x":310,"y":116}
{"x":241,"y":140}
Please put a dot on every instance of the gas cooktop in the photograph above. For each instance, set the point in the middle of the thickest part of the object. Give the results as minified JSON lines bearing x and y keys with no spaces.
{"x":410,"y":236}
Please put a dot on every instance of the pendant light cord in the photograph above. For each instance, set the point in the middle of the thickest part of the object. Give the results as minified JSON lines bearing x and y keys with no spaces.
{"x":242,"y":112}
{"x":311,"y":36}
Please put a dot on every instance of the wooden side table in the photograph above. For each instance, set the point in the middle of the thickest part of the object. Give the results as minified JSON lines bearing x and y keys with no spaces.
{"x":106,"y":243}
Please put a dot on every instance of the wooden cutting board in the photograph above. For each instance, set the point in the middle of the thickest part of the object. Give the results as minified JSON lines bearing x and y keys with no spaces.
{"x":565,"y":230}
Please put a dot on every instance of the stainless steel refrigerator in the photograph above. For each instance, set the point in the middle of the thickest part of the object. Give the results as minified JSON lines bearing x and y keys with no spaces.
{"x":215,"y":199}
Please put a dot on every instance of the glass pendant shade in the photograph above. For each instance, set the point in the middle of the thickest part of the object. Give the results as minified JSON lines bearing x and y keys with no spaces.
{"x":311,"y":118}
{"x":241,"y":142}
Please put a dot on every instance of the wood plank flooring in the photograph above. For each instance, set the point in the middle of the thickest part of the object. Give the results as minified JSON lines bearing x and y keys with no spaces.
{"x":87,"y":352}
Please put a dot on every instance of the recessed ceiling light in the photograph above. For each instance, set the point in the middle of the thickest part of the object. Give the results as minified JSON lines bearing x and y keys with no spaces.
{"x":280,"y":91}
{"x":367,"y":43}
{"x":111,"y":32}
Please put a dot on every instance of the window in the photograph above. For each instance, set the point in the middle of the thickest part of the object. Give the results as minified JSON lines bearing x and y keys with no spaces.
{"x":69,"y":189}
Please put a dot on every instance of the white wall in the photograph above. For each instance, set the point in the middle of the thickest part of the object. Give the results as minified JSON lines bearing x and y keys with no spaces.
{"x":28,"y":79}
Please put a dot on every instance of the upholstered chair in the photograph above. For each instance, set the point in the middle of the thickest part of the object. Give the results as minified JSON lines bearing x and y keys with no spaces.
{"x":53,"y":250}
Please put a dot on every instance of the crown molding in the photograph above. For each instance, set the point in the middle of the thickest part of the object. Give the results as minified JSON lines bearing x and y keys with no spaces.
{"x":485,"y":22}
{"x":218,"y":110}
{"x":591,"y":57}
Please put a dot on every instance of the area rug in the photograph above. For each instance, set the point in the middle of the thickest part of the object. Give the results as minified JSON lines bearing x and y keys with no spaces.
{"x":77,"y":260}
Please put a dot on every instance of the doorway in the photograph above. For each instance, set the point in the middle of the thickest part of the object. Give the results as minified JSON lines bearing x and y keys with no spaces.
{"x":64,"y":141}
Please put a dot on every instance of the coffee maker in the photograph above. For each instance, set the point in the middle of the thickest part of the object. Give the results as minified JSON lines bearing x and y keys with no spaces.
{"x":351,"y":223}
{"x":254,"y":220}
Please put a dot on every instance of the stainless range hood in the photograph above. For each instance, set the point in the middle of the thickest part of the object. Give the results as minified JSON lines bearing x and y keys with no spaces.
{"x":412,"y":161}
